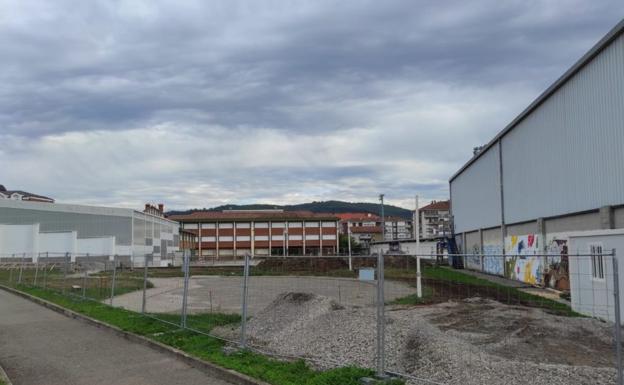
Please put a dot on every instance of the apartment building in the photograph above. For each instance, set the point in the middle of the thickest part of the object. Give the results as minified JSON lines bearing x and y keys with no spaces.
{"x":363,"y":227}
{"x":233,"y":233}
{"x":435,"y":220}
{"x":18,"y":195}
{"x":397,"y":228}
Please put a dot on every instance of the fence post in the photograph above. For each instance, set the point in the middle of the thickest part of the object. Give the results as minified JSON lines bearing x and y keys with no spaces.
{"x":67,"y":257}
{"x":36,"y":270}
{"x":114,"y":278}
{"x":19,"y":279}
{"x":84,"y":282}
{"x":144,"y":300}
{"x":243,"y":340}
{"x":186,"y":267}
{"x":381,"y":322}
{"x":45,"y":272}
{"x":418,"y":278}
{"x":618,"y":326}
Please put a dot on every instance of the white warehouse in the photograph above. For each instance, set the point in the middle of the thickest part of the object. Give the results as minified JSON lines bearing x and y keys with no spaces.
{"x":32,"y":230}
{"x":556,"y":169}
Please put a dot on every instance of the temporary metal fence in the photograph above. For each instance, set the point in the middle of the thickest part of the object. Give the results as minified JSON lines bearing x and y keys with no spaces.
{"x":383,"y":312}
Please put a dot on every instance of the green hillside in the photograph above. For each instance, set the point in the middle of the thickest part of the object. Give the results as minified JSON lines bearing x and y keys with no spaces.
{"x":316,"y":207}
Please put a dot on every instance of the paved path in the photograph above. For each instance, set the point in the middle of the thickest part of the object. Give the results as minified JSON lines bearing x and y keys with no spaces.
{"x":39,"y":346}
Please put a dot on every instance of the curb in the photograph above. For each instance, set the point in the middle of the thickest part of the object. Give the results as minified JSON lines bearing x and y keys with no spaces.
{"x":4,"y":377}
{"x":214,"y":370}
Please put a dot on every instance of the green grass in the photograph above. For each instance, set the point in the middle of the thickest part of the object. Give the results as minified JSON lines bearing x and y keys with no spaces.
{"x":504,"y":293}
{"x":205,"y":347}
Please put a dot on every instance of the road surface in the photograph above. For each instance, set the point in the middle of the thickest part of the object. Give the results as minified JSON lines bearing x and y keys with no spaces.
{"x":39,"y":346}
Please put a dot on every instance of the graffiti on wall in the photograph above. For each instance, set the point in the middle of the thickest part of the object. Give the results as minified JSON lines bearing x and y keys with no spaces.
{"x":556,"y":274}
{"x":493,"y":262}
{"x":473,"y":259}
{"x":521,"y":263}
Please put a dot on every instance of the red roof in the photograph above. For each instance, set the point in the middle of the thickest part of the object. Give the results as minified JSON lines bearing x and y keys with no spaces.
{"x":440,"y":205}
{"x":365,"y":229}
{"x":357,"y":217}
{"x":251,"y":215}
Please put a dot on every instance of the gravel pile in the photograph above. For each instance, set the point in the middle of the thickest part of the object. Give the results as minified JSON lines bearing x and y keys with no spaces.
{"x":471,"y":342}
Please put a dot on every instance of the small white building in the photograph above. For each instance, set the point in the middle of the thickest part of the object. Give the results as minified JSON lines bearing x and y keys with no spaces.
{"x":591,"y":274}
{"x":32,"y":230}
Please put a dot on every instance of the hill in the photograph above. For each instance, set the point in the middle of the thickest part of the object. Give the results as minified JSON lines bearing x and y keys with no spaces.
{"x":315,"y":207}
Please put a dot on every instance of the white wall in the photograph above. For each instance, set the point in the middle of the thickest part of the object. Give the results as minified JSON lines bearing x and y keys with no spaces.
{"x":592,"y":296}
{"x":19,"y":239}
{"x":96,"y":246}
{"x":58,"y":243}
{"x":426,"y":248}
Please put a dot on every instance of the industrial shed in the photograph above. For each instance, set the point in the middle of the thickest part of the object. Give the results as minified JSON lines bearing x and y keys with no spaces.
{"x":555,"y":169}
{"x":32,"y":230}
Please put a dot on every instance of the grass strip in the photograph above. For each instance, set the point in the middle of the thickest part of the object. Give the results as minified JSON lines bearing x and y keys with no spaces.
{"x":258,"y":366}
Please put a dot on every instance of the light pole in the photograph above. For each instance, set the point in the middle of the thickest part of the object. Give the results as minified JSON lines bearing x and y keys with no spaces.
{"x":383,"y":218}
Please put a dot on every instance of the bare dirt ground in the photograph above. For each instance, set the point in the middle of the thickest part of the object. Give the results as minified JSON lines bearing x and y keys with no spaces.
{"x":223,"y":294}
{"x":469,"y":342}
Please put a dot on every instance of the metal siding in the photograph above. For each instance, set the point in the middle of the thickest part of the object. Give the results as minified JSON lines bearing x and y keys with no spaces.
{"x":567,"y":155}
{"x":476,"y":194}
{"x":86,"y":225}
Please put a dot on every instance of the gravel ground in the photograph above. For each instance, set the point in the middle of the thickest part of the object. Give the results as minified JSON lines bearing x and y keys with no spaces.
{"x":470,"y":342}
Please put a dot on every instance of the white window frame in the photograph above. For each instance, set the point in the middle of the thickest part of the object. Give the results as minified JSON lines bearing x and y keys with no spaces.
{"x":226,"y":225}
{"x":226,"y":238}
{"x":209,"y":239}
{"x":295,"y":237}
{"x":243,"y":238}
{"x":311,"y":224}
{"x":208,"y":225}
{"x":294,"y":225}
{"x":243,"y":225}
{"x":261,"y":225}
{"x":329,"y":237}
{"x":277,"y":225}
{"x":261,"y":237}
{"x":312,"y":237}
{"x":277,"y":237}
{"x":329,"y":224}
{"x":189,"y":226}
{"x":597,"y":261}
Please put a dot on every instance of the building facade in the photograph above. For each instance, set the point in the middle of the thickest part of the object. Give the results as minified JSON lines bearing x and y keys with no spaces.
{"x":40,"y":229}
{"x":435,"y":220}
{"x":397,"y":228}
{"x":233,"y":233}
{"x":555,"y":169}
{"x":363,"y":228}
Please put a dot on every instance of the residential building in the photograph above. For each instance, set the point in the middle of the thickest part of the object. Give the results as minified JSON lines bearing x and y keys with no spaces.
{"x":53,"y":230}
{"x":363,"y":227}
{"x":397,"y":228}
{"x":556,"y":169}
{"x":234,"y":233}
{"x":19,"y":195}
{"x":435,"y":220}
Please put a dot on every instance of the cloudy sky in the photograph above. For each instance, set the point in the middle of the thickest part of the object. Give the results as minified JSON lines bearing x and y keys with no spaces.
{"x":201,"y":103}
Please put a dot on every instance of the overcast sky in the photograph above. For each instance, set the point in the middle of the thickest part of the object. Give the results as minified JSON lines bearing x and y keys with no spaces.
{"x":202,"y":103}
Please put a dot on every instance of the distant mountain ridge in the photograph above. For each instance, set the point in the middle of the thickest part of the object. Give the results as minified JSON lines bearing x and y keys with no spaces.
{"x":315,"y":207}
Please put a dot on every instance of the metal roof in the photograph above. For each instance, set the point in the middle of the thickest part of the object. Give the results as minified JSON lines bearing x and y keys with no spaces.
{"x":613,"y":34}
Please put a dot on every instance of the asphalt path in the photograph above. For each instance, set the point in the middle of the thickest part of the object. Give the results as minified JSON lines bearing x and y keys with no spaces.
{"x":41,"y":347}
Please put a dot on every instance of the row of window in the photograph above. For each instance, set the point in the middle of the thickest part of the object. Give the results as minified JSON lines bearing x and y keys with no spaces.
{"x":247,"y":238}
{"x":257,"y":225}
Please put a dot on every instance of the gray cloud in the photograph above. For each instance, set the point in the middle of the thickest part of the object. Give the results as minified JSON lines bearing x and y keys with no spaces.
{"x":200,"y":103}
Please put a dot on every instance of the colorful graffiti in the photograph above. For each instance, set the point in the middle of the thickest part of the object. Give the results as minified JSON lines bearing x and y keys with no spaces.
{"x":493,"y":261}
{"x":556,"y":274}
{"x":521,"y":262}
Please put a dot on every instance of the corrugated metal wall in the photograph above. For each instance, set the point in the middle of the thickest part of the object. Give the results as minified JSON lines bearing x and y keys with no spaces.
{"x":87,"y":225}
{"x":567,"y":155}
{"x":475,"y":194}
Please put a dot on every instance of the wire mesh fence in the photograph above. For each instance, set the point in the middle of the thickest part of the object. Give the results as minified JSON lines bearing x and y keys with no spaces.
{"x":454,"y":327}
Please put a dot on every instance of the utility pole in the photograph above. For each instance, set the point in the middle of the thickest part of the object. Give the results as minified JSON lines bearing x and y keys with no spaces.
{"x":417,"y":232}
{"x":383,"y":218}
{"x":349,"y":243}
